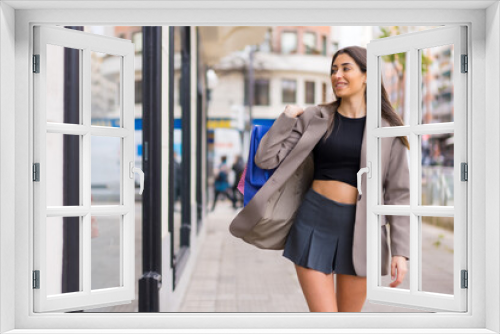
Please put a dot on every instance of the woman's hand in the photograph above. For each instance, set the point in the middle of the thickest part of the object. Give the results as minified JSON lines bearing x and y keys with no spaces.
{"x":399,"y":263}
{"x":293,"y":111}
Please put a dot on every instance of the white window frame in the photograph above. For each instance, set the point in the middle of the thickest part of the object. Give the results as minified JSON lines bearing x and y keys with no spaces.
{"x":483,"y":212}
{"x":411,"y":44}
{"x":86,"y":297}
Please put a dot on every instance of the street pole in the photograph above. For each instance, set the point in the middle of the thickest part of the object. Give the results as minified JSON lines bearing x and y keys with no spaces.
{"x":251,"y":85}
{"x":250,"y":91}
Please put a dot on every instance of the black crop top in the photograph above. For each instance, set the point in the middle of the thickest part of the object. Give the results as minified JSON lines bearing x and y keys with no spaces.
{"x":338,"y":157}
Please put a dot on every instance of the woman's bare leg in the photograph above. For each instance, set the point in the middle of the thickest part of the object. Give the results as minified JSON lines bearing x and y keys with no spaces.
{"x":351,"y":292}
{"x":318,"y":289}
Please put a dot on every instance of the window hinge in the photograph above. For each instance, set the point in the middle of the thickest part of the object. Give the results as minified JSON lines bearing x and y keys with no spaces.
{"x":36,"y":172}
{"x":36,"y":63}
{"x":465,"y":171}
{"x":465,"y":64}
{"x":465,"y":279}
{"x":36,"y":279}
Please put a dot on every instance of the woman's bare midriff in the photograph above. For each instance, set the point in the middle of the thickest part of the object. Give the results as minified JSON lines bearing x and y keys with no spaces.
{"x":335,"y":190}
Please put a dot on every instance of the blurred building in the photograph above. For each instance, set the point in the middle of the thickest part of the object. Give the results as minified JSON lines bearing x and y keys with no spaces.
{"x":291,"y":66}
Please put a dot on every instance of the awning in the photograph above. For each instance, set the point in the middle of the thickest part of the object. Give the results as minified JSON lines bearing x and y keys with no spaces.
{"x":218,"y":42}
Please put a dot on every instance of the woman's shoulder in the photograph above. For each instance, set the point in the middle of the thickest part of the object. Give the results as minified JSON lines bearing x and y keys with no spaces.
{"x":320,"y":110}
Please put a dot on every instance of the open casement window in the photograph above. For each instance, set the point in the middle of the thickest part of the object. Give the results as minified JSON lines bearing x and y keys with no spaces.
{"x":424,"y":74}
{"x":84,"y":167}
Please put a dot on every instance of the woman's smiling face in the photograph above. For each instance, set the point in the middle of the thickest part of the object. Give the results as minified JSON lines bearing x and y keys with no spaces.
{"x":347,"y":78}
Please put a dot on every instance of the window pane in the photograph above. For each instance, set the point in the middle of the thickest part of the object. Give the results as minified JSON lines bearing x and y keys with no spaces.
{"x":437,"y":84}
{"x":437,"y":254}
{"x":288,"y":42}
{"x":395,"y":81}
{"x":310,"y":43}
{"x":180,"y":169}
{"x":63,"y":250}
{"x":105,"y":89}
{"x":106,"y":248}
{"x":323,"y":45}
{"x":106,"y":160}
{"x":261,"y":92}
{"x":437,"y":169}
{"x":62,"y":169}
{"x":385,"y":154}
{"x":137,"y":40}
{"x":63,"y":80}
{"x":178,"y":190}
{"x":385,"y":251}
{"x":310,"y":92}
{"x":289,"y":91}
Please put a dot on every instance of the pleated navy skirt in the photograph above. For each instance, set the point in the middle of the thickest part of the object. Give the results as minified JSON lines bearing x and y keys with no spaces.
{"x":321,"y":236}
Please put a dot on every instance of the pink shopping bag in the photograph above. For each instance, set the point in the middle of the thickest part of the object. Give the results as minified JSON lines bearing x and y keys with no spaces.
{"x":241,"y":183}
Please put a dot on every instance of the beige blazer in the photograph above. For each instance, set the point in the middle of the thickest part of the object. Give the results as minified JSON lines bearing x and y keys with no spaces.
{"x":288,"y":146}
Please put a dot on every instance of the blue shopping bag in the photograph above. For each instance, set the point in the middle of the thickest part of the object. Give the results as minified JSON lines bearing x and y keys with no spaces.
{"x":255,"y":177}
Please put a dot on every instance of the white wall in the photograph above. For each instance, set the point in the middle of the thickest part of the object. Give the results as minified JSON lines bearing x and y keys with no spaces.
{"x":492,"y":157}
{"x":7,"y":160}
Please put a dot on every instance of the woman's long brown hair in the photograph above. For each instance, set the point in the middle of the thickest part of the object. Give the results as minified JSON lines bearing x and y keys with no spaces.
{"x":359,"y":55}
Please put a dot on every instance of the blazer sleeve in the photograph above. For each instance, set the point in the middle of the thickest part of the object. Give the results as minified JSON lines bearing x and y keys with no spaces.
{"x":280,"y":139}
{"x":397,"y":192}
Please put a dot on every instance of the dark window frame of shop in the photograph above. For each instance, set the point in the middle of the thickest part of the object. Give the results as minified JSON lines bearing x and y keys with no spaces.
{"x":151,"y":280}
{"x":178,"y":261}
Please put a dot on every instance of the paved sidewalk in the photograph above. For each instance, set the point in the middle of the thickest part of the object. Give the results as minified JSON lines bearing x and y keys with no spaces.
{"x":233,"y":276}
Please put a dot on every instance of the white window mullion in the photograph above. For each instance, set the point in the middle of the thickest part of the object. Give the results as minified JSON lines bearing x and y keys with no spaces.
{"x":67,"y":129}
{"x":406,"y":210}
{"x":80,"y":130}
{"x":67,"y":211}
{"x":415,"y":169}
{"x":85,"y":164}
{"x":405,"y":130}
{"x":127,"y":259}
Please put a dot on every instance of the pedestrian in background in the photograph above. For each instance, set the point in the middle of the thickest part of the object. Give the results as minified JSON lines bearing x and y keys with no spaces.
{"x":238,"y":168}
{"x":221,"y":184}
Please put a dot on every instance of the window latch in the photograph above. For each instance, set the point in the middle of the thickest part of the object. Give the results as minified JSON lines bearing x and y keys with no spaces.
{"x":363,"y":170}
{"x":132,"y":171}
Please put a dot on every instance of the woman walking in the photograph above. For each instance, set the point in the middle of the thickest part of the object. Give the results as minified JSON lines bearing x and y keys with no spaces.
{"x":328,"y":234}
